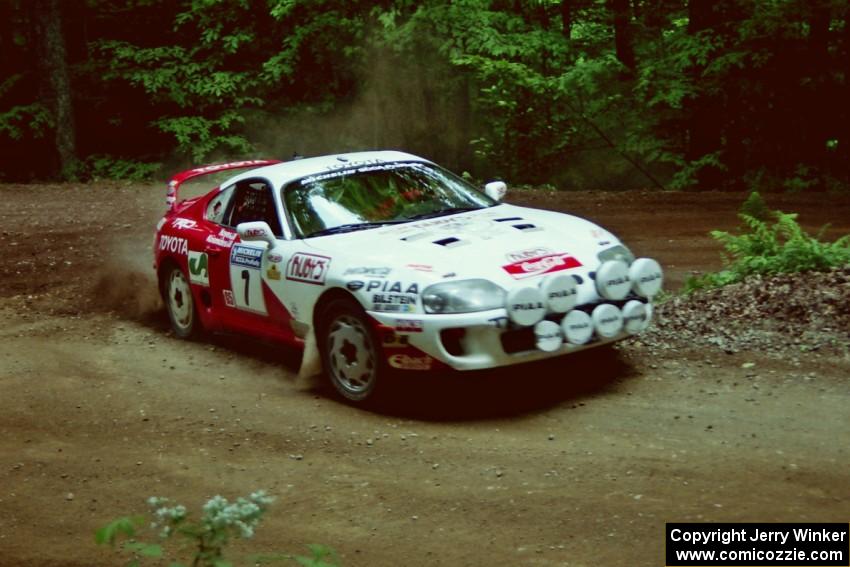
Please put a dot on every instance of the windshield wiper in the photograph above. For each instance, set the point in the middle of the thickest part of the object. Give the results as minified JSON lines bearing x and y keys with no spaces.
{"x":441,"y":213}
{"x":351,"y":227}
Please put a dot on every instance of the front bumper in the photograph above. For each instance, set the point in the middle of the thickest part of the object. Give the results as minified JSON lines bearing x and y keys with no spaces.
{"x":481,"y":340}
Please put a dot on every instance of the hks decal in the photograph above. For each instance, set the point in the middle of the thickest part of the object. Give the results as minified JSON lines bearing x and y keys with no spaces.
{"x":368,"y":272}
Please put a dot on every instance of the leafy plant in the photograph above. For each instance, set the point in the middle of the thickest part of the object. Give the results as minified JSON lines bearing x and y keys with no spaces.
{"x":32,"y":120}
{"x":106,"y":167}
{"x":762,"y":247}
{"x":205,"y":539}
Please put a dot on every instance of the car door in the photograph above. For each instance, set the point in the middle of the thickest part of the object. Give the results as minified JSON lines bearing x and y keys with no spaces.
{"x":241,"y":269}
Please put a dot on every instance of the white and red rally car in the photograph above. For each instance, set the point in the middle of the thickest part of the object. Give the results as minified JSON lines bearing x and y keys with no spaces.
{"x":376,"y":261}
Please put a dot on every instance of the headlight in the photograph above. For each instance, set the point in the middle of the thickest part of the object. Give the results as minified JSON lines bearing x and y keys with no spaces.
{"x":464,"y":296}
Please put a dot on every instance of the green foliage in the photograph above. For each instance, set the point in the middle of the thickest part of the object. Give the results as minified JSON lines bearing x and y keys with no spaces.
{"x":31,"y":120}
{"x":206,"y":539}
{"x":102,"y":166}
{"x":717,"y":97}
{"x":782,"y":247}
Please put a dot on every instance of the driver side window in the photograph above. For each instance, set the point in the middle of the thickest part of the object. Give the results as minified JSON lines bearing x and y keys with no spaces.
{"x":253,"y":201}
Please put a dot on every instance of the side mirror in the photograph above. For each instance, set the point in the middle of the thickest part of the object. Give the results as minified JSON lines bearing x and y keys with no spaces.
{"x":496,"y":190}
{"x":256,"y":231}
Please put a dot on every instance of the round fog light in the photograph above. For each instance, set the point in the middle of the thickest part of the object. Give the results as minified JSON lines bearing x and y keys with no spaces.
{"x":560,"y":292}
{"x":635,"y":317}
{"x":607,"y":319}
{"x":547,"y":336}
{"x":646,"y":276}
{"x":526,"y":305}
{"x":577,"y":327}
{"x":612,"y":280}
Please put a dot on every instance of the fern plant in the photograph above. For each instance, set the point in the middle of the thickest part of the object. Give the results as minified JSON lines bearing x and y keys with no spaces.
{"x":769,"y":248}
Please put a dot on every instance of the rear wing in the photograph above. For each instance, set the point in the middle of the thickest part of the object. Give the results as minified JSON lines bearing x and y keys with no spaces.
{"x":175,"y":182}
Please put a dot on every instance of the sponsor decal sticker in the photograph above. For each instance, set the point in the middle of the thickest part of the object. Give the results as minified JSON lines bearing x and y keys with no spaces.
{"x":228,"y":298}
{"x":527,"y":306}
{"x":394,"y":287}
{"x":245,"y":256}
{"x":198,"y":268}
{"x":368,"y":272}
{"x":255,"y":232}
{"x":273,"y":257}
{"x":408,"y":326}
{"x":308,"y":268}
{"x":540,"y":265}
{"x":394,"y":302}
{"x":183,"y":223}
{"x":174,"y":244}
{"x":406,"y":362}
{"x":393,"y":297}
{"x":527,"y":254}
{"x":273,"y":273}
{"x":354,"y":285}
{"x":421,"y":267}
{"x":224,"y":238}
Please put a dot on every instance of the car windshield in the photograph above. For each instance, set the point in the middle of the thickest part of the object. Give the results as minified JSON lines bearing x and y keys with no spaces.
{"x":376,"y":195}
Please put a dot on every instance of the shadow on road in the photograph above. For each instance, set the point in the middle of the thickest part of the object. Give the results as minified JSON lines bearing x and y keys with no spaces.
{"x":454,"y":396}
{"x":509,"y":391}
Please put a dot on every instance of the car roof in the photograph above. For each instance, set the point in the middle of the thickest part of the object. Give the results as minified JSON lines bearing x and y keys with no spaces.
{"x":282,"y":173}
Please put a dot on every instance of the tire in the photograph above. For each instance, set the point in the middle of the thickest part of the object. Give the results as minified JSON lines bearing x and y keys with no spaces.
{"x":351,"y":353}
{"x":180,"y":304}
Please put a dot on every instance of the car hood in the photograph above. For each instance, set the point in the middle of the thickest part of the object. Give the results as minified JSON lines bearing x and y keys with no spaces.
{"x":505,"y":244}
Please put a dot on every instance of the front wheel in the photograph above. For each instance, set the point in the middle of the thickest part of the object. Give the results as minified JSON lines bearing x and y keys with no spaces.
{"x":351,"y":354}
{"x":180,"y":304}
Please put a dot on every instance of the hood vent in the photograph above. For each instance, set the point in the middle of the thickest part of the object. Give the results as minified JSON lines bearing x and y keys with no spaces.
{"x":507,"y":219}
{"x":450,"y":241}
{"x":526,"y":227}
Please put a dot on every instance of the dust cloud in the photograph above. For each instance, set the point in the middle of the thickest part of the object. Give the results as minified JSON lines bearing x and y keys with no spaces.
{"x":418,"y":104}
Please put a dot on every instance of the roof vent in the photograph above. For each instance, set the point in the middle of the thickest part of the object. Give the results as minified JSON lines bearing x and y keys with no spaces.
{"x":506,"y":219}
{"x":525,"y":226}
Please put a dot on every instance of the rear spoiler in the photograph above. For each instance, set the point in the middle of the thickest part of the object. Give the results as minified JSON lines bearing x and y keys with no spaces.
{"x":175,"y":182}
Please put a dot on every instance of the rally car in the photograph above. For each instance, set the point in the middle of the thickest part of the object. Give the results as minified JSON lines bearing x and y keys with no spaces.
{"x":375,"y":261}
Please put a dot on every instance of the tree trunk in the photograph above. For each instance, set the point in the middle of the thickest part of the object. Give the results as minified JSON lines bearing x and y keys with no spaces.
{"x":704,"y":112}
{"x":567,"y":18}
{"x":623,"y":32}
{"x":844,"y":136}
{"x":48,"y":18}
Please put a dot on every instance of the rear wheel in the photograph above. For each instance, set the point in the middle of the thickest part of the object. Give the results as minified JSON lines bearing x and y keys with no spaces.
{"x":351,"y":353}
{"x":180,"y":304}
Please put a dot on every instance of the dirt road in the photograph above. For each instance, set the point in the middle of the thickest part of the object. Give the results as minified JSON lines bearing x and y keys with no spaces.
{"x":580,"y":461}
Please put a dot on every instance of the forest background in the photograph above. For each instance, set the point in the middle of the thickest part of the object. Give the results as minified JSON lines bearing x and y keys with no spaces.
{"x":573,"y":94}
